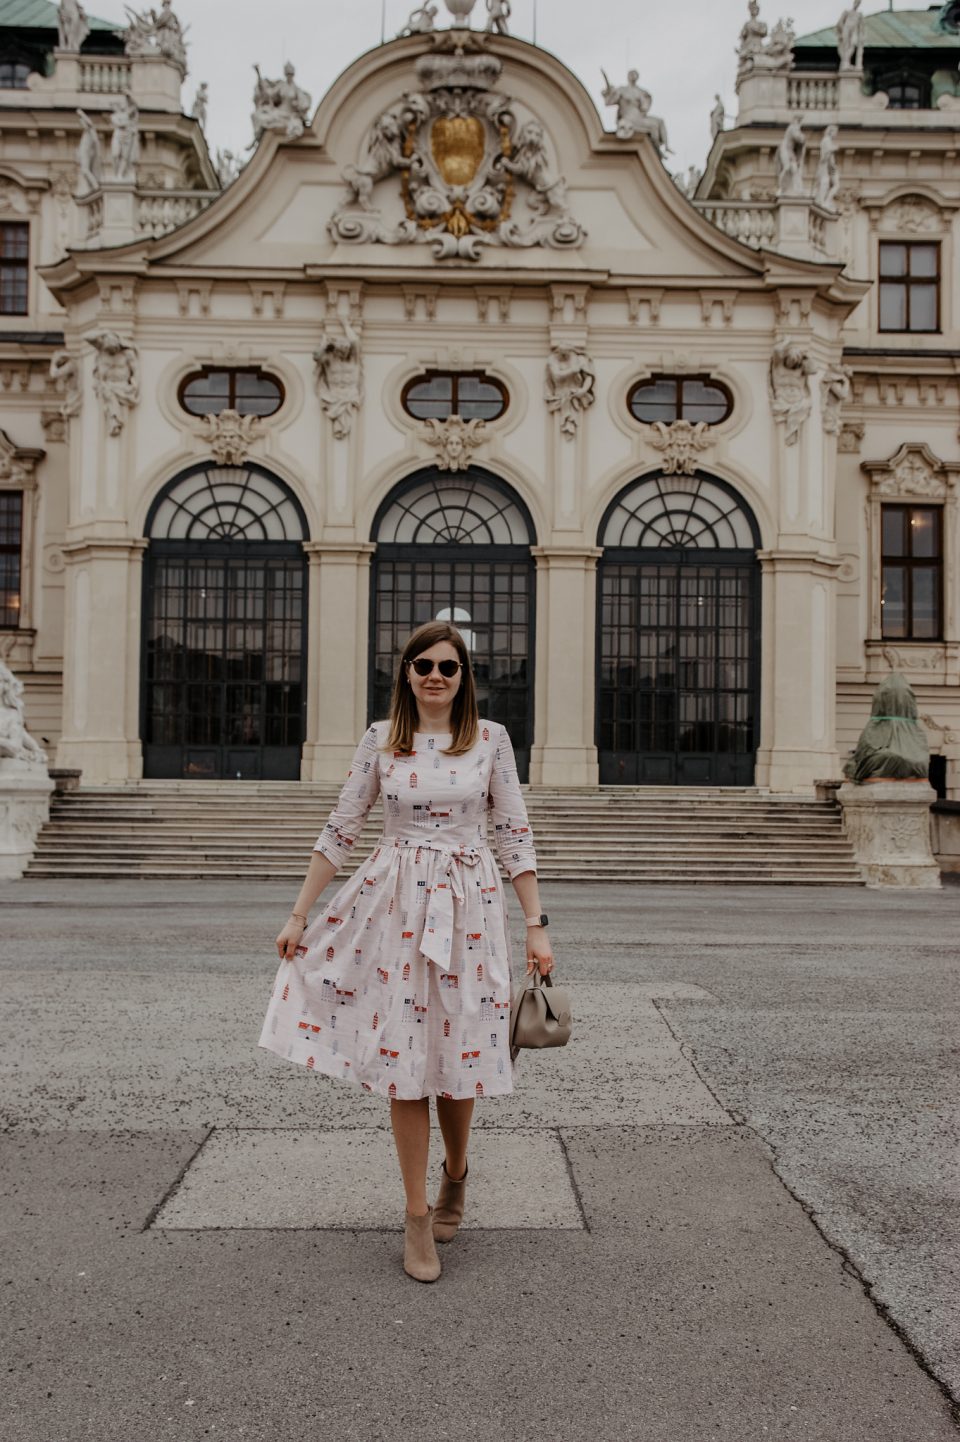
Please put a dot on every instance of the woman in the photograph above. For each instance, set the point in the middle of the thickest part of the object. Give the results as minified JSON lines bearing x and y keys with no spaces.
{"x":403,"y":983}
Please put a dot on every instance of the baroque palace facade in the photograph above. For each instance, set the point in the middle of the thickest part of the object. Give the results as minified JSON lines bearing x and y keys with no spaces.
{"x":680,"y":460}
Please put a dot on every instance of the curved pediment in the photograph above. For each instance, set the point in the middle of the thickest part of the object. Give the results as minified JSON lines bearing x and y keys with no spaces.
{"x":429,"y":155}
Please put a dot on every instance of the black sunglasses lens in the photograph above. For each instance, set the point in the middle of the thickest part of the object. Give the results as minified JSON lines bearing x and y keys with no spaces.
{"x":424,"y":667}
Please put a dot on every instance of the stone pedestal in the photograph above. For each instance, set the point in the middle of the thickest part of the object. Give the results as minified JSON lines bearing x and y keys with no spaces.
{"x":888,"y":823}
{"x":24,"y":807}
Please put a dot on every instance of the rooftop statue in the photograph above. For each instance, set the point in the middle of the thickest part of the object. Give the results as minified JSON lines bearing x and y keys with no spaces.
{"x":74,"y":25}
{"x":791,"y":154}
{"x":851,"y":37}
{"x":718,"y":117}
{"x":153,"y":33}
{"x":227,"y":166}
{"x":89,"y":156}
{"x":280,"y":105}
{"x":200,"y":103}
{"x":826,"y":182}
{"x":420,"y":21}
{"x":125,"y":145}
{"x":499,"y":14}
{"x":893,"y":744}
{"x":633,"y":110}
{"x":756,"y":52}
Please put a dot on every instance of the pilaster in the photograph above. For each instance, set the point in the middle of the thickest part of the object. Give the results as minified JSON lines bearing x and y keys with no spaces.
{"x":564,"y":751}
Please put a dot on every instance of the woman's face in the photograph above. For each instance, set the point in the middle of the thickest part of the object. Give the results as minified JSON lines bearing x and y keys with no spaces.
{"x":434,"y":693}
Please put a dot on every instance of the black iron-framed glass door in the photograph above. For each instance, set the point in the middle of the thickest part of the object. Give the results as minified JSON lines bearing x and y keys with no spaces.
{"x":224,"y":643}
{"x":457,"y":548}
{"x":678,"y":653}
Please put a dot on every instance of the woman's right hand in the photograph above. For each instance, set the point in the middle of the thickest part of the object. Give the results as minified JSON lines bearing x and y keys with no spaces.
{"x":289,"y":939}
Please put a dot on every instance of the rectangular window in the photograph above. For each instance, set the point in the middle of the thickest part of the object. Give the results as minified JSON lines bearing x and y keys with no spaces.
{"x":14,"y":267}
{"x":909,"y":286}
{"x":11,"y":537}
{"x":912,"y":572}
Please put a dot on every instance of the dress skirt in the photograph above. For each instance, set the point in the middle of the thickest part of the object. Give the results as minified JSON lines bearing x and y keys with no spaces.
{"x":402,"y":985}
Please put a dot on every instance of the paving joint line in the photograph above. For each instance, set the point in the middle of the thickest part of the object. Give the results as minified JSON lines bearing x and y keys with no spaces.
{"x":171,"y":1189}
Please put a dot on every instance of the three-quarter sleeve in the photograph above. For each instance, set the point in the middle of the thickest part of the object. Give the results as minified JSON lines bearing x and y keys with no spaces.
{"x":511,"y":827}
{"x":359,"y":792}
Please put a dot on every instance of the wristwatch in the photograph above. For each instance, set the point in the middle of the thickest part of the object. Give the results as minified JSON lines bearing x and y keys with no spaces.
{"x":541,"y":920}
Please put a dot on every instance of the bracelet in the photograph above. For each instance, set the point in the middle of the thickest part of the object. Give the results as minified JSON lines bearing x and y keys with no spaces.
{"x":296,"y":916}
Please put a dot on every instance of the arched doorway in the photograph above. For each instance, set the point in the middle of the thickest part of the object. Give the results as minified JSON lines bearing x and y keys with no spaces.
{"x":458,"y":548}
{"x":224,"y":630}
{"x":678,"y":653}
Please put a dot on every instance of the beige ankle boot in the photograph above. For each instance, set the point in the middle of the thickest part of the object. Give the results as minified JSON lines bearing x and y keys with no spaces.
{"x":420,"y":1258}
{"x":448,"y":1211}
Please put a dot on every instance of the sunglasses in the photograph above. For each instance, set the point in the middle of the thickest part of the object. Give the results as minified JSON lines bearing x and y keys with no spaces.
{"x":423,"y":667}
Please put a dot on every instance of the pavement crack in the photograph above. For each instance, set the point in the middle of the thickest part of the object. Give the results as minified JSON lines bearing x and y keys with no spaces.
{"x":849,"y":1266}
{"x":573,"y":1179}
{"x":734,"y":1116}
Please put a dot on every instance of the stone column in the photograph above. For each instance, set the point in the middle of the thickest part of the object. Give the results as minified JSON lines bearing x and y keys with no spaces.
{"x":564,"y":751}
{"x":101,"y":663}
{"x":798,"y":677}
{"x":338,"y":656}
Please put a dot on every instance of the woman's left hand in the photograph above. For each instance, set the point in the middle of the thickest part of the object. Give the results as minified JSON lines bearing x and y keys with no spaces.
{"x":539,"y":951}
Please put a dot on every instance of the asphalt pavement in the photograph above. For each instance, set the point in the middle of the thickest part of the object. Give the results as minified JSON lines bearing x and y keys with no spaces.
{"x":729,"y":1209}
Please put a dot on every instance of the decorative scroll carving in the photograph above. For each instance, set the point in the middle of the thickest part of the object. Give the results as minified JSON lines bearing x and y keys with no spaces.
{"x":680,"y":442}
{"x":116,"y":377}
{"x":230,"y":435}
{"x":569,"y":386}
{"x":789,"y":379}
{"x":913,"y":471}
{"x":454,"y":439}
{"x":458,"y":153}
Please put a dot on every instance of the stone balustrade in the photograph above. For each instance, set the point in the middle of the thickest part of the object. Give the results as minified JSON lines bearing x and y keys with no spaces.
{"x":824,"y":97}
{"x":794,"y":226}
{"x":159,"y":211}
{"x":104,"y":75}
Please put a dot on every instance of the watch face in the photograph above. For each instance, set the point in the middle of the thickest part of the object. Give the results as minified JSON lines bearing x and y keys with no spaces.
{"x":543,"y":919}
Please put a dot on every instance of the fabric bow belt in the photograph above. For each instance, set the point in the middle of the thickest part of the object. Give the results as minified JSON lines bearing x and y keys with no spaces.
{"x":446,"y":887}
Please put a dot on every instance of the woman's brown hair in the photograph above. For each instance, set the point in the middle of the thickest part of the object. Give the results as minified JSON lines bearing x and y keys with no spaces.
{"x":464,"y":720}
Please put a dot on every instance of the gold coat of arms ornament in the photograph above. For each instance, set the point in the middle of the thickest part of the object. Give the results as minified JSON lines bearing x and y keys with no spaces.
{"x":463,"y":160}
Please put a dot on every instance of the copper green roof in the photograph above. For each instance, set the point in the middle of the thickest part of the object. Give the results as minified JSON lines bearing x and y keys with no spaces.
{"x":40,"y":15}
{"x":893,"y":30}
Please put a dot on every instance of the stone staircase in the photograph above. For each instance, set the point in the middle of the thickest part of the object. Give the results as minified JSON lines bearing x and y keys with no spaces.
{"x":266,"y":830}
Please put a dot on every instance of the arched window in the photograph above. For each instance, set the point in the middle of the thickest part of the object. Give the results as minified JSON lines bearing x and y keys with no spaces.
{"x":457,"y":548}
{"x":249,"y":392}
{"x":678,"y":655}
{"x":439,"y":394}
{"x":228,"y":503}
{"x":224,"y":679}
{"x":676,"y":398}
{"x":676,"y":512}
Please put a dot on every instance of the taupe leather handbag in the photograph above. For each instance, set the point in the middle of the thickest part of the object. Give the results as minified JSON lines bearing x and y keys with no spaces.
{"x":540,"y":1015}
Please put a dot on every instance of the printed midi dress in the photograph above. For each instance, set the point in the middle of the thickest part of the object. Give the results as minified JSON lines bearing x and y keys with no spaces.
{"x":402,"y":984}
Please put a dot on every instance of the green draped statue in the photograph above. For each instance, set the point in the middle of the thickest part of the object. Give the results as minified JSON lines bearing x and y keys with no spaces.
{"x":893,"y":744}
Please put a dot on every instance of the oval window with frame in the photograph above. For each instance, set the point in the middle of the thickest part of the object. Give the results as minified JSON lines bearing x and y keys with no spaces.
{"x":440,"y":394}
{"x":250,"y":392}
{"x":680,"y":398}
